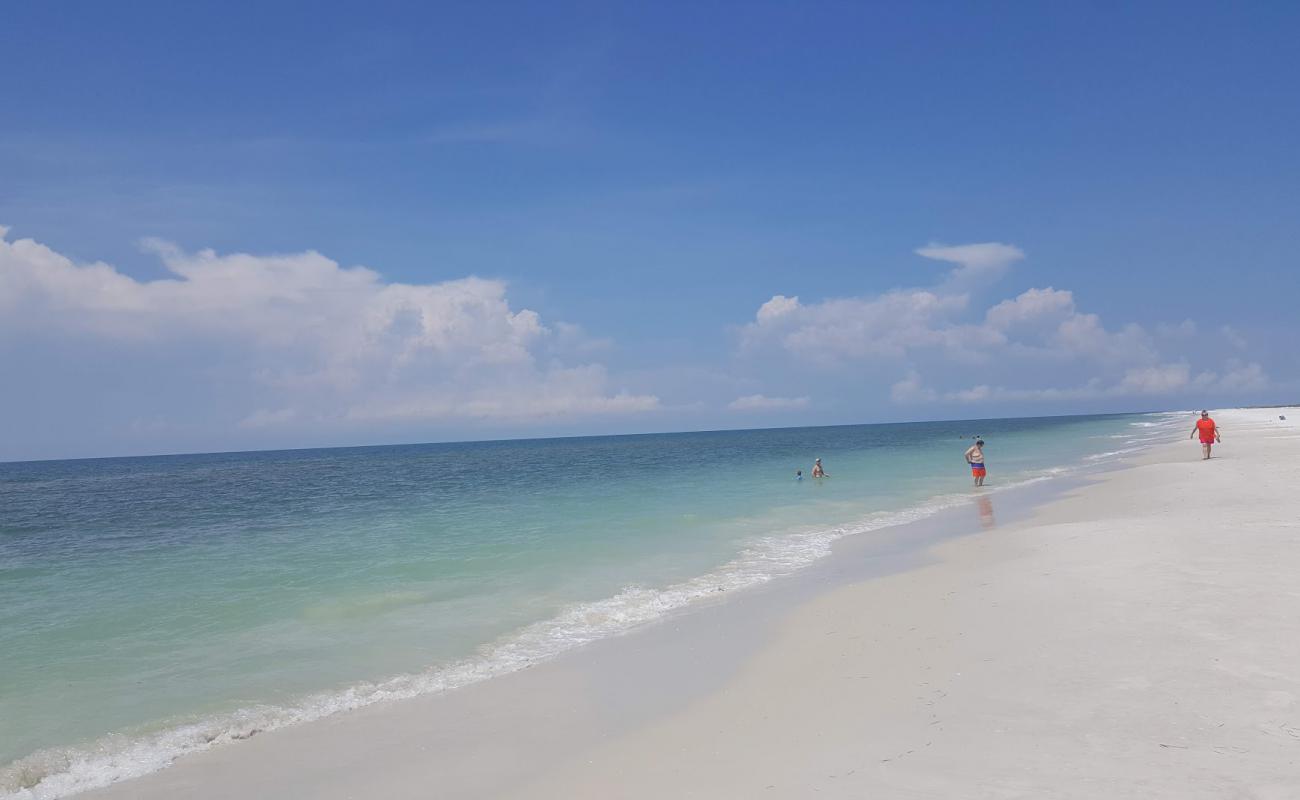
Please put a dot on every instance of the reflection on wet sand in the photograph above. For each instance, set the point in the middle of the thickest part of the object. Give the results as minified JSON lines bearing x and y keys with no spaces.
{"x":985,"y":504}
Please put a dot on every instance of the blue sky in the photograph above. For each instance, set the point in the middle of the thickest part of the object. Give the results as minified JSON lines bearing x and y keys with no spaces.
{"x":628,"y":186}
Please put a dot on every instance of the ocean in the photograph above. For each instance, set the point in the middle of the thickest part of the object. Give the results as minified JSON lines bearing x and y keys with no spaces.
{"x":155,"y":606}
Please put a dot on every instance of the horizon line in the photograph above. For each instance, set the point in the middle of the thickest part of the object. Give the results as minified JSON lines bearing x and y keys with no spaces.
{"x":582,"y":436}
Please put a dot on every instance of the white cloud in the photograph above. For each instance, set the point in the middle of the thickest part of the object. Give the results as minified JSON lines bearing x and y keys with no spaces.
{"x":954,"y":353}
{"x":262,"y":345}
{"x":974,"y":394}
{"x":1033,"y":305}
{"x":315,"y":342}
{"x":885,"y":326}
{"x":571,"y":340}
{"x":1158,"y":380}
{"x":556,"y":393}
{"x":758,"y":402}
{"x":1039,"y":323}
{"x":1243,"y":378}
{"x":1000,"y":394}
{"x":1046,"y":321}
{"x":1161,"y":379}
{"x":779,"y":306}
{"x":986,"y":260}
{"x":1041,"y":333}
{"x":911,"y":389}
{"x":1083,"y":335}
{"x":1183,"y":330}
{"x":1234,"y":338}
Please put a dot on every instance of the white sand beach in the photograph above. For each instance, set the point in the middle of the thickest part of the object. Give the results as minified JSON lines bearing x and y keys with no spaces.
{"x":1135,"y":638}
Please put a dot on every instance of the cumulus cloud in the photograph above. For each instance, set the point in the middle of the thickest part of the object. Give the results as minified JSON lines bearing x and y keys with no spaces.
{"x":1243,"y":378}
{"x":1153,"y":381}
{"x":972,"y":395}
{"x":1237,"y":378}
{"x":986,"y":260}
{"x":885,"y":326}
{"x":1042,"y":323}
{"x":1031,"y":306}
{"x":1084,"y":335}
{"x":776,"y":308}
{"x":1039,"y":336}
{"x":911,"y":389}
{"x":316,"y":342}
{"x":759,"y":402}
{"x":1048,"y":322}
{"x":554,"y":393}
{"x":1183,"y":330}
{"x":983,"y":393}
{"x":1159,"y":379}
{"x":1234,"y":338}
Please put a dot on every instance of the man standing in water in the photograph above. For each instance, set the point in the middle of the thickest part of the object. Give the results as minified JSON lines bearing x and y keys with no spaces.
{"x":818,"y":472}
{"x":1209,"y":433}
{"x":975,"y":457}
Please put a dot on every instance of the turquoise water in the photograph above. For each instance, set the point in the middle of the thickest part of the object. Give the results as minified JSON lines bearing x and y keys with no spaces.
{"x":149,"y":606}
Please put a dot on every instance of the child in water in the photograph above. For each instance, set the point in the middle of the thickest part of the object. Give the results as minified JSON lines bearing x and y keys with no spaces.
{"x":798,"y":474}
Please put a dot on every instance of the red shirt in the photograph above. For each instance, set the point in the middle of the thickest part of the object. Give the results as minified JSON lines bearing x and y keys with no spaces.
{"x":1206,"y":427}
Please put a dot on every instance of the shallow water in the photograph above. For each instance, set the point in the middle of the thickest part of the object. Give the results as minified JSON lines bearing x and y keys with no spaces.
{"x":149,"y":606}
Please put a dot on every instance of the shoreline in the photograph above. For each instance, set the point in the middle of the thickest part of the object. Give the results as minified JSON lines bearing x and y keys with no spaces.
{"x":485,"y":738}
{"x":117,"y":759}
{"x":549,"y":715}
{"x":1132,"y":639}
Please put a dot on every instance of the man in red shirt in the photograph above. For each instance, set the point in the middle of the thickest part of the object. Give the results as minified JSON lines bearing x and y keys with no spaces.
{"x":1209,"y":433}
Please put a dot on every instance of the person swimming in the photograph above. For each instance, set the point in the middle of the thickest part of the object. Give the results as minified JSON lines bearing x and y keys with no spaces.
{"x":798,"y":474}
{"x":817,"y":471}
{"x":975,"y":457}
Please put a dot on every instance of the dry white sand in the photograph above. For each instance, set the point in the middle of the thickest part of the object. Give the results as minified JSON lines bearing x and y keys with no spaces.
{"x":1138,"y":638}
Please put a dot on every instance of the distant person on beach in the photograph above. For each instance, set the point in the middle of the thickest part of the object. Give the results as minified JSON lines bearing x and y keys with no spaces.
{"x":975,"y":457}
{"x":818,"y":472}
{"x":1209,"y":433}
